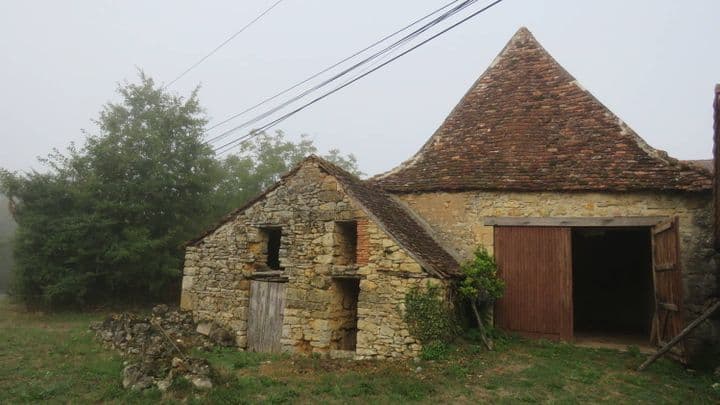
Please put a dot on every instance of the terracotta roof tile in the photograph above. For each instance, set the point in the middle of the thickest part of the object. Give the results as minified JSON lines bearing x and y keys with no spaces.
{"x":527,"y":125}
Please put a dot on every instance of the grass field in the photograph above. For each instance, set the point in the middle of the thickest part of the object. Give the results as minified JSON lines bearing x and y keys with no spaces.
{"x":53,"y":358}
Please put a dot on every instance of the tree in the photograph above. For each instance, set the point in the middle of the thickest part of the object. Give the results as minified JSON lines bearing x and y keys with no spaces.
{"x":260,"y":162}
{"x":108,"y":219}
{"x":481,"y":286}
{"x":7,"y":231}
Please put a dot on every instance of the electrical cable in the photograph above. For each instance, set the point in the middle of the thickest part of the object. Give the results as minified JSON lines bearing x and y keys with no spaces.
{"x":227,"y":146}
{"x":217,"y":48}
{"x":357,"y":65}
{"x":293,"y":87}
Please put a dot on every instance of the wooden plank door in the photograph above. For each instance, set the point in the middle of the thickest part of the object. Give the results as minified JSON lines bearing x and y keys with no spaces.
{"x":265,"y":316}
{"x":536,"y":264}
{"x":667,"y":278}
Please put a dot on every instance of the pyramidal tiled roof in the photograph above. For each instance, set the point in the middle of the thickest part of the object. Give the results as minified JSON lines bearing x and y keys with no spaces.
{"x":527,"y":125}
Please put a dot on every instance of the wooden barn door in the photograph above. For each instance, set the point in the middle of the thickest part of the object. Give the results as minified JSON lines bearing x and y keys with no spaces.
{"x":536,"y":264}
{"x":265,"y":316}
{"x":667,"y":278}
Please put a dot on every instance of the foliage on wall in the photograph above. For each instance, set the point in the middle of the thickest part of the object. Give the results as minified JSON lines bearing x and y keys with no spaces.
{"x":430,"y":318}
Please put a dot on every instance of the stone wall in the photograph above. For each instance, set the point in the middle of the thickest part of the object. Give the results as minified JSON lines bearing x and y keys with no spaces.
{"x":216,"y":282}
{"x":458,"y":222}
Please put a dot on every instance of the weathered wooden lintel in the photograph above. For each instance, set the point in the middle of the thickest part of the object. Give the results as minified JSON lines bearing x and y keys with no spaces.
{"x":574,"y":221}
{"x":263,"y":225}
{"x":403,"y":274}
{"x":346,"y":277}
{"x":273,"y":275}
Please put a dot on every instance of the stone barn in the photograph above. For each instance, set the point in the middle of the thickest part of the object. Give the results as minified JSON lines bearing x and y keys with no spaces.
{"x":319,"y":263}
{"x":597,"y":235}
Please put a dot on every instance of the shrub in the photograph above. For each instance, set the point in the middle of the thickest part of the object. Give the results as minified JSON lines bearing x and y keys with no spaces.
{"x":481,"y":282}
{"x":429,"y":317}
{"x":480,"y":286}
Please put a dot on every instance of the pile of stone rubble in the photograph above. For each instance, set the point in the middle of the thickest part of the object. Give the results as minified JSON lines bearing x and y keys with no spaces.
{"x":157,"y":347}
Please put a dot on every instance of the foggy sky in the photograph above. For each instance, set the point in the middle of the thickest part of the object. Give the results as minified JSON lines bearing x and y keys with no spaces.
{"x":654,"y":63}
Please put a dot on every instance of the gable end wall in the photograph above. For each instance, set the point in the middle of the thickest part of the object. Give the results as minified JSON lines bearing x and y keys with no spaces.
{"x":216,"y":282}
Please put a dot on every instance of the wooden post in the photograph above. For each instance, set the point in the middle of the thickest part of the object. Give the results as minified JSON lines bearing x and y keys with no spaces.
{"x":481,"y":327}
{"x":669,"y":345}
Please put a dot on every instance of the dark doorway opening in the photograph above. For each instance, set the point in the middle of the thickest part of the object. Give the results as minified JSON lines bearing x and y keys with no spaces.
{"x":612,"y":283}
{"x":344,"y":313}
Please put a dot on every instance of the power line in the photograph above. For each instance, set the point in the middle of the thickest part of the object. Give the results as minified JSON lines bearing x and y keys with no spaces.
{"x":224,"y":148}
{"x":365,"y":61}
{"x":401,"y":41}
{"x":257,"y":131}
{"x":357,"y":65}
{"x":217,"y":48}
{"x":383,"y":52}
{"x":283,"y":92}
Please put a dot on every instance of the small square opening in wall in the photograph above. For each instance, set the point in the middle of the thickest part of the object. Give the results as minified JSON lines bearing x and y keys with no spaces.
{"x":273,"y":238}
{"x":346,"y":242}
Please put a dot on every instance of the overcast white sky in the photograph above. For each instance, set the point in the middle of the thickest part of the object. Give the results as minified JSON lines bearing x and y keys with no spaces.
{"x":654,"y":63}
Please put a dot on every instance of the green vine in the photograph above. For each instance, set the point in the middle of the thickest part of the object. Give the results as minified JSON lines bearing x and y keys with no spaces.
{"x":430,"y":319}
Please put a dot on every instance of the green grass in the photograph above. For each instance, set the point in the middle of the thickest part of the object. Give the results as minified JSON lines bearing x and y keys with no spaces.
{"x":53,"y":358}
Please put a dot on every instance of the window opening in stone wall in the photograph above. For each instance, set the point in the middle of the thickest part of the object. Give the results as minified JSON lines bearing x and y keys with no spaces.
{"x":344,"y":313}
{"x":346,"y":242}
{"x":273,"y":237}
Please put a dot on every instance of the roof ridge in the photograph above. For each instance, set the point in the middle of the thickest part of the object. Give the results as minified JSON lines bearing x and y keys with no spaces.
{"x":526,"y":123}
{"x":522,"y":33}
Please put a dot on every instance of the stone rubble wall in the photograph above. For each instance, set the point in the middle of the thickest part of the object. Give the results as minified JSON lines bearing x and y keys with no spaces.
{"x":458,"y":222}
{"x":218,"y":270}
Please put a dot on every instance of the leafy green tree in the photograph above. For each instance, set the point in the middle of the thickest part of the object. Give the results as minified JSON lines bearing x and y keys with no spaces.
{"x":348,"y":162}
{"x":260,"y":162}
{"x":481,"y":286}
{"x":7,"y":231}
{"x":107,"y":220}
